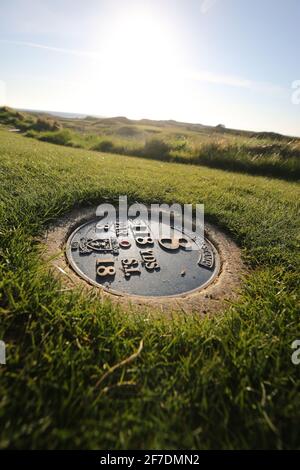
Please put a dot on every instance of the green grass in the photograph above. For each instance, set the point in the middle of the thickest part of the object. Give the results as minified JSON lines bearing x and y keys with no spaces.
{"x":258,"y":153}
{"x":224,"y":382}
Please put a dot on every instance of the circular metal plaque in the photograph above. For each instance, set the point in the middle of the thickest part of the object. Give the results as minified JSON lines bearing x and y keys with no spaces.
{"x":127,"y":259}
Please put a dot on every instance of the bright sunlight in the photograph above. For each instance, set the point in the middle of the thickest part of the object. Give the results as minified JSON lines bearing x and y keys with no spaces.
{"x":141,"y":49}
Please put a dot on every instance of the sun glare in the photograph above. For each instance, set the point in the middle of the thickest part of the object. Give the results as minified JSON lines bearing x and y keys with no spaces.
{"x":139,"y":64}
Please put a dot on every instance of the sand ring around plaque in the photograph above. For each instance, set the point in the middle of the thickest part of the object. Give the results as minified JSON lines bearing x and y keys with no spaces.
{"x":166,"y":274}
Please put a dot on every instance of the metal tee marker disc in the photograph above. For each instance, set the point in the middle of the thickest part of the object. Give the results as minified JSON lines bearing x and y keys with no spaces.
{"x":136,"y":263}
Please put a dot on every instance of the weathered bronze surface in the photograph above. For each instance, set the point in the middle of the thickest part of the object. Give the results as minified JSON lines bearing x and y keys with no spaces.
{"x":126,"y":258}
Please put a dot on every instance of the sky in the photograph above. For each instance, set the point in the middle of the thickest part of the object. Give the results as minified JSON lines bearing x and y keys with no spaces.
{"x":230,"y":62}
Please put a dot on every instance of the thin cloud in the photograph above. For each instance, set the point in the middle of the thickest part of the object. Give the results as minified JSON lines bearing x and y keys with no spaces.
{"x":206,"y":5}
{"x":75,"y":52}
{"x":201,"y":76}
{"x":234,"y":81}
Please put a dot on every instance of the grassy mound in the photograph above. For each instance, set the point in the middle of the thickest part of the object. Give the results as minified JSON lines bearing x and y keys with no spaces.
{"x":225,"y":382}
{"x":258,"y":153}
